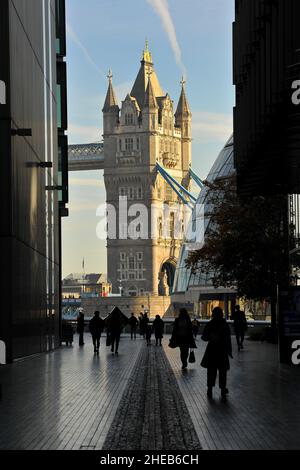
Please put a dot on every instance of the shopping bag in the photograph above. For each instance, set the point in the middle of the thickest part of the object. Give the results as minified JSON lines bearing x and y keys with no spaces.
{"x":192,"y":358}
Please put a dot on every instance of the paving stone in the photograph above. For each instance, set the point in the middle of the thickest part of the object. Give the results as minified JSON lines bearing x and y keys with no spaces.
{"x":263,"y":407}
{"x":152,"y":414}
{"x":141,"y":399}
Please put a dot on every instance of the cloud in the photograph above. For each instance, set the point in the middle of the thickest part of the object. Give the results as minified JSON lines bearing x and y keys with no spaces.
{"x":79,"y":134}
{"x":73,"y":36}
{"x":84,"y":207}
{"x":85,"y":182}
{"x":211,"y":127}
{"x":161,"y":8}
{"x":122,"y":90}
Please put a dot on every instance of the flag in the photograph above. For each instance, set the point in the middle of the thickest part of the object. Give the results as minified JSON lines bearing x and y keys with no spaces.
{"x":83,"y":264}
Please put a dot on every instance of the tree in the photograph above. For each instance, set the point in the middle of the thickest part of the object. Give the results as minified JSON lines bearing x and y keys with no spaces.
{"x":246,"y":243}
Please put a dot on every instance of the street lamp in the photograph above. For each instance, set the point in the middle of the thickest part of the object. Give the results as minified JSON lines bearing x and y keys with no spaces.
{"x":120,"y":287}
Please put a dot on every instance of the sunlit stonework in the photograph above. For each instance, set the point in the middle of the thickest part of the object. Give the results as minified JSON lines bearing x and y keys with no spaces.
{"x":144,"y":130}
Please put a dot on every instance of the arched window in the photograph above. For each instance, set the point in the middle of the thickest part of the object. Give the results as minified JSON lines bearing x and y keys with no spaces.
{"x":172,"y":225}
{"x":129,"y":119}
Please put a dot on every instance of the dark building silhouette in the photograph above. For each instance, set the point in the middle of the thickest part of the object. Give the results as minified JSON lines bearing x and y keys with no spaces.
{"x":33,"y":172}
{"x":267,"y":114}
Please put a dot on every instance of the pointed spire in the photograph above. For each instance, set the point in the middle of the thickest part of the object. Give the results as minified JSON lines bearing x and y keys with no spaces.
{"x":150,"y":99}
{"x":147,"y":56}
{"x":110,"y":100}
{"x":141,"y":82}
{"x":183,"y":108}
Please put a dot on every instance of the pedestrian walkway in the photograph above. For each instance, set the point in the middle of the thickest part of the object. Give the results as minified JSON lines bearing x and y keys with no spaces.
{"x":141,"y":399}
{"x":152,"y":413}
{"x":263,"y":407}
{"x":66,"y":399}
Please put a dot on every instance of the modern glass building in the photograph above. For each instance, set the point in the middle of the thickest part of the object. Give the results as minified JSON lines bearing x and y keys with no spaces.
{"x":33,"y":172}
{"x":195,"y":291}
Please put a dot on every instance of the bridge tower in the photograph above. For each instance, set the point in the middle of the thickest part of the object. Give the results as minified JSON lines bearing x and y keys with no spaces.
{"x":137,"y":135}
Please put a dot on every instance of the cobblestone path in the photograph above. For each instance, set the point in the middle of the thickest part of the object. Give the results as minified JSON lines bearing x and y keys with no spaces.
{"x":152,"y":414}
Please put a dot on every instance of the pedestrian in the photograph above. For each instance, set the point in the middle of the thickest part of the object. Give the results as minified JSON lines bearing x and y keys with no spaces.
{"x":196,"y":326}
{"x":80,"y":328}
{"x":240,"y":326}
{"x":141,"y":325}
{"x":115,"y":323}
{"x":96,"y":326}
{"x":218,"y":351}
{"x":158,"y":327}
{"x":144,"y":323}
{"x":148,"y":333}
{"x":182,"y":336}
{"x":133,"y":322}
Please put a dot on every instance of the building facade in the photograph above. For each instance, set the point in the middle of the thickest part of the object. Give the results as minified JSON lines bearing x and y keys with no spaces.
{"x":266,"y":51}
{"x":33,"y":172}
{"x":137,"y":135}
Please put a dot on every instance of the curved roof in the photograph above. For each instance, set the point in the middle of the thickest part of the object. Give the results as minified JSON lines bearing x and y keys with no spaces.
{"x":223,"y":167}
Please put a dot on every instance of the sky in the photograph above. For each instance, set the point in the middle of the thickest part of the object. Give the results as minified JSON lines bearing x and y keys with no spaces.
{"x":191,"y":38}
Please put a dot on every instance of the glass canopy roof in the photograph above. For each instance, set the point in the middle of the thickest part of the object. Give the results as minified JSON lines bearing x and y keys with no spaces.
{"x":223,"y":167}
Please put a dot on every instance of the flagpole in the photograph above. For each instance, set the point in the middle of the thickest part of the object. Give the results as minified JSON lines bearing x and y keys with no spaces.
{"x":83,"y":276}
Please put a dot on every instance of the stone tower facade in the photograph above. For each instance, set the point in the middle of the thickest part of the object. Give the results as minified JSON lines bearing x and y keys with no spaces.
{"x":137,"y":135}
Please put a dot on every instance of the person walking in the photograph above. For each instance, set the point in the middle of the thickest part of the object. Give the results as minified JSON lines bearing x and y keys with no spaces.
{"x":218,"y":351}
{"x":141,"y":324}
{"x":144,"y":323}
{"x":182,"y":336}
{"x":96,"y":326}
{"x":148,"y":334}
{"x":158,"y":327}
{"x":115,"y":323}
{"x":240,"y":326}
{"x":133,"y":322}
{"x":80,"y":328}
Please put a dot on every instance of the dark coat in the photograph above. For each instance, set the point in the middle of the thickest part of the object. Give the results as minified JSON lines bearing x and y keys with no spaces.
{"x":133,"y":321}
{"x":96,"y":326}
{"x":217,"y":334}
{"x":239,"y":321}
{"x":158,"y":327}
{"x":182,"y":336}
{"x":144,"y":320}
{"x":80,"y":324}
{"x":116,"y":321}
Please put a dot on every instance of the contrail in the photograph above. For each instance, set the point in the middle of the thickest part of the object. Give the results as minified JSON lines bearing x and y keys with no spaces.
{"x":77,"y":41}
{"x":161,"y":7}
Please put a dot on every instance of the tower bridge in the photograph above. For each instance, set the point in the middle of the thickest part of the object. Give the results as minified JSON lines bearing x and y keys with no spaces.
{"x":84,"y":157}
{"x":146,"y":156}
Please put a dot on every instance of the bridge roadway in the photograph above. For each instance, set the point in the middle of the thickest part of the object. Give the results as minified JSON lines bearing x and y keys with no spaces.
{"x":83,"y":157}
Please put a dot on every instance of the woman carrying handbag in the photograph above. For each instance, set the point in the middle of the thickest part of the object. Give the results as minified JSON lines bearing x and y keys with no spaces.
{"x":183,"y":337}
